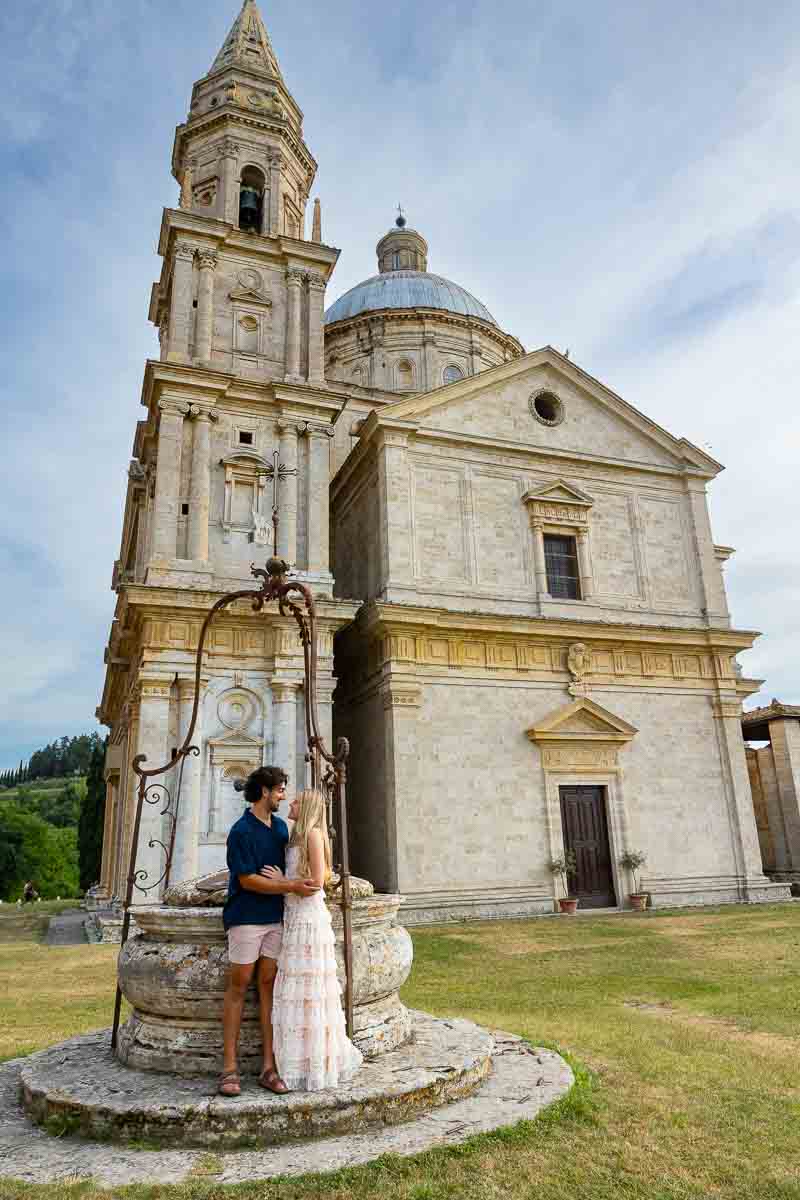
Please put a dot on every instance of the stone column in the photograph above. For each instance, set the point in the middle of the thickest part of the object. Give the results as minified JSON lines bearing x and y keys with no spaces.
{"x":318,"y":502}
{"x":744,"y":834}
{"x":185,"y":860}
{"x":207,"y":262}
{"x":153,"y":741}
{"x":294,"y":284}
{"x":284,"y":699}
{"x":287,"y":526}
{"x":230,"y":182}
{"x":395,"y":513}
{"x":316,"y":329}
{"x":180,"y":315}
{"x":168,"y":479}
{"x":200,"y":487}
{"x":785,"y":739}
{"x":584,"y":563}
{"x":539,"y":560}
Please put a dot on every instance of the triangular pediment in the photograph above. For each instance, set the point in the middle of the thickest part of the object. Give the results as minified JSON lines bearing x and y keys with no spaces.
{"x":582,"y":721}
{"x":560,"y":492}
{"x":236,"y":737}
{"x":591,"y":420}
{"x":247,"y":296}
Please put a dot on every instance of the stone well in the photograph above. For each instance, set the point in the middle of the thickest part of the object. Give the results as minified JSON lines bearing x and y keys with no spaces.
{"x":173,"y":976}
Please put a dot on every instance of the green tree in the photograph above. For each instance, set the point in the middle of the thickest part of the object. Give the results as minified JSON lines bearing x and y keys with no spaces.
{"x":92,"y":819}
{"x":32,"y":849}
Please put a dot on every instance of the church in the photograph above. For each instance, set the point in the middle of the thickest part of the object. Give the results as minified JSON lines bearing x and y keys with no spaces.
{"x":523,"y":619}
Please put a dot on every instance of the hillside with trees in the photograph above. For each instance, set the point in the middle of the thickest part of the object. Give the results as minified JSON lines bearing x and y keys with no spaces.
{"x":51,"y":823}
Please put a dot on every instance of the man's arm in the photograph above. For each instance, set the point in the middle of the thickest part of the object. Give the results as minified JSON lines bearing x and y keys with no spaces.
{"x":277,"y":887}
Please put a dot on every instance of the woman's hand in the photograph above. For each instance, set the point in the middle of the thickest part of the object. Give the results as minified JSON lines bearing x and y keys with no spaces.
{"x":273,"y":873}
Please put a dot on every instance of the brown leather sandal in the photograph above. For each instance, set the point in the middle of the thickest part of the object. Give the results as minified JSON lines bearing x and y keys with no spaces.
{"x":230,"y":1084}
{"x":271,"y":1080}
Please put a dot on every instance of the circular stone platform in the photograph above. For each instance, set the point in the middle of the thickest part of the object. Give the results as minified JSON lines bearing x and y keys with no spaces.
{"x":523,"y":1082}
{"x":81,"y":1086}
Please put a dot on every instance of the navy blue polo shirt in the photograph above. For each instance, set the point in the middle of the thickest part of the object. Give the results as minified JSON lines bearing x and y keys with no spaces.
{"x":251,"y":846}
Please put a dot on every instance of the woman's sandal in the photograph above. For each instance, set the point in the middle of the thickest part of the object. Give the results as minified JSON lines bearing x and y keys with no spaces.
{"x":230,"y":1084}
{"x":271,"y":1080}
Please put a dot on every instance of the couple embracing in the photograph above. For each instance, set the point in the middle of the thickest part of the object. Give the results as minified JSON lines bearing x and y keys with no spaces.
{"x":279,"y":931}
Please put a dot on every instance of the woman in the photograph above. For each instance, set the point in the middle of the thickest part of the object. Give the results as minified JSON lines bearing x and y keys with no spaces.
{"x":312,"y":1049}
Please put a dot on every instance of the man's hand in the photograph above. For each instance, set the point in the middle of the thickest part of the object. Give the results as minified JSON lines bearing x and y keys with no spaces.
{"x":304,"y":887}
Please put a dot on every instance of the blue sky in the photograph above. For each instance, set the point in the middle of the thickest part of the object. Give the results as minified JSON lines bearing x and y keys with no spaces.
{"x":620,"y":178}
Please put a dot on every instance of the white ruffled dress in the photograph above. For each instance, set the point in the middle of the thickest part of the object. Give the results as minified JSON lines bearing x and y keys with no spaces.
{"x":312,"y":1049}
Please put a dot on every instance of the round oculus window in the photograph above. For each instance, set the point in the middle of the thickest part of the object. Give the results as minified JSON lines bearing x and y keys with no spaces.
{"x":547,"y":408}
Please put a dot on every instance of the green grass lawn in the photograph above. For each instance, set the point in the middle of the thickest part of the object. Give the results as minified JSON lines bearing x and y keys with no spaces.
{"x":685,"y":1027}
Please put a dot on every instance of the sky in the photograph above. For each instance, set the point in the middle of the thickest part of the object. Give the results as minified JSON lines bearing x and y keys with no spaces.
{"x":621,"y":179}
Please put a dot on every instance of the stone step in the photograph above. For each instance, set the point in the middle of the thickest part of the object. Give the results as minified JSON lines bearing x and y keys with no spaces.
{"x":67,"y":929}
{"x":84,"y":1088}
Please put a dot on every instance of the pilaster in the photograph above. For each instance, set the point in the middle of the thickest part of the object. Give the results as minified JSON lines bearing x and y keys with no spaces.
{"x":207,"y":263}
{"x":318,"y":505}
{"x":284,"y":698}
{"x":185,"y":861}
{"x":316,"y":328}
{"x":294,"y":285}
{"x":394,"y":520}
{"x":153,"y":742}
{"x":200,"y":487}
{"x":180,"y":317}
{"x":287,"y":528}
{"x":168,"y":475}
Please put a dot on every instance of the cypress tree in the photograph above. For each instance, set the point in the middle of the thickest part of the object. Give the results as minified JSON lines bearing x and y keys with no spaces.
{"x":92,"y":819}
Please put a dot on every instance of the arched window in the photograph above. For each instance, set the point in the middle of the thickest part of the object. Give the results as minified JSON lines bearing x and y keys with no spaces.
{"x":405,"y":376}
{"x":396,"y":260}
{"x":452,"y":374}
{"x":251,"y":199}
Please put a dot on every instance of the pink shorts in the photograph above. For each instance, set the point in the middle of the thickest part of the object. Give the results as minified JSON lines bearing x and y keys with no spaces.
{"x":248,"y":943}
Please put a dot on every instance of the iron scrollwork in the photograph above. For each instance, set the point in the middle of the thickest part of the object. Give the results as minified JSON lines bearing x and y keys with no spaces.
{"x":328,"y":769}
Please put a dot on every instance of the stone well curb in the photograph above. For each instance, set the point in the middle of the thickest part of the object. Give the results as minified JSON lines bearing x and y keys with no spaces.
{"x":81,"y":1084}
{"x":523,"y":1082}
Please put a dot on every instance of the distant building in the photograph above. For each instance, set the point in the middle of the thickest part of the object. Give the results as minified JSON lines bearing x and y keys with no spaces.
{"x":533,"y":644}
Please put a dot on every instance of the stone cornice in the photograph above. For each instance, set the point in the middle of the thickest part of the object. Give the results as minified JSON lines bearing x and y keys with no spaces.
{"x":211,"y":233}
{"x":228,"y":118}
{"x":376,"y":615}
{"x":425,"y":316}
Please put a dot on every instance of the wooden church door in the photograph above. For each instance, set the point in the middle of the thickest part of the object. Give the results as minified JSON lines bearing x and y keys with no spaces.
{"x":583,"y":818}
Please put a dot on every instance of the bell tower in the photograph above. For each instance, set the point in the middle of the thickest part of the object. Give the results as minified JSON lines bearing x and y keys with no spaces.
{"x":231,"y":463}
{"x":241,"y":289}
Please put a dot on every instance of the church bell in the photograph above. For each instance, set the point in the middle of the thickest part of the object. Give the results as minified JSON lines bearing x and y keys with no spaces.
{"x":249,"y":209}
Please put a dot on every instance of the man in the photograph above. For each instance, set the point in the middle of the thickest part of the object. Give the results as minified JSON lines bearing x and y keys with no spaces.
{"x":252,"y":916}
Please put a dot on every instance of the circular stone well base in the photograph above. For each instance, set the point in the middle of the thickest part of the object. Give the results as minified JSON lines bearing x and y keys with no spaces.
{"x":79,"y":1087}
{"x":523,"y":1082}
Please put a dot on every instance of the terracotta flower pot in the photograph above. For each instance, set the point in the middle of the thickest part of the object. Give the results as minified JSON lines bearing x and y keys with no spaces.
{"x":638,"y":901}
{"x":568,"y":905}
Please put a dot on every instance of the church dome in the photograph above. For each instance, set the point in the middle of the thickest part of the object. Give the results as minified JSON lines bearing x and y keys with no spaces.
{"x":399,"y":289}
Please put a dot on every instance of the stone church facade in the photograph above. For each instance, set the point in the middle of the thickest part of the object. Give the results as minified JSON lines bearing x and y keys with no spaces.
{"x":522,"y":605}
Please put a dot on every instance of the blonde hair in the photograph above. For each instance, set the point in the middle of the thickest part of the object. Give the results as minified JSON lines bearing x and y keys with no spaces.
{"x":312,"y":815}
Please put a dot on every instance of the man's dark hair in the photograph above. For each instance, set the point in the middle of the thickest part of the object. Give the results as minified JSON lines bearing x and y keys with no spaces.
{"x":264,"y":777}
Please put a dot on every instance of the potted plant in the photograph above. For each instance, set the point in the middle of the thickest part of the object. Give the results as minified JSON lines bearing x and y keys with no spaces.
{"x":633,"y":861}
{"x":565,"y":867}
